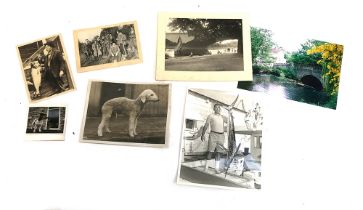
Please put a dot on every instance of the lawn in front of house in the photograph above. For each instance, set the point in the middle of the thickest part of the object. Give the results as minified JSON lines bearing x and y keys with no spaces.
{"x":223,"y":62}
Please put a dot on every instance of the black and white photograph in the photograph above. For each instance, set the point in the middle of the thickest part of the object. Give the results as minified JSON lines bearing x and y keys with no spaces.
{"x":222,"y":139}
{"x":125,"y":113}
{"x":204,"y":44}
{"x":45,"y":68}
{"x":46,"y":123}
{"x":107,"y":46}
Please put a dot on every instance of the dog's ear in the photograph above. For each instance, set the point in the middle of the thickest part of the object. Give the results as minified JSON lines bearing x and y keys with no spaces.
{"x":143,"y":98}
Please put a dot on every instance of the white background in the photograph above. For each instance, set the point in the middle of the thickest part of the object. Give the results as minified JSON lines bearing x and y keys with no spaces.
{"x":311,"y":156}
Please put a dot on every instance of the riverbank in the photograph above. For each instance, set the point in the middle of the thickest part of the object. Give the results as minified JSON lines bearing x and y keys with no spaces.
{"x":282,"y":87}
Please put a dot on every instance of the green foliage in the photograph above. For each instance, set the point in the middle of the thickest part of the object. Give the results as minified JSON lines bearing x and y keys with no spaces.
{"x":261,"y":45}
{"x":275,"y":72}
{"x":286,"y":72}
{"x":300,"y":57}
{"x":260,"y":69}
{"x":332,"y":103}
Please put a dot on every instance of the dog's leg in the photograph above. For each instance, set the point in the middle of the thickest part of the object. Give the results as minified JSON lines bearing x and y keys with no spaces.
{"x":132,"y":125}
{"x":105,"y":122}
{"x":107,"y":125}
{"x":106,"y":115}
{"x":135,"y":124}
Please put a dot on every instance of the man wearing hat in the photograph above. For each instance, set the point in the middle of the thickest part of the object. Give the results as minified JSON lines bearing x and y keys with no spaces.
{"x":54,"y":66}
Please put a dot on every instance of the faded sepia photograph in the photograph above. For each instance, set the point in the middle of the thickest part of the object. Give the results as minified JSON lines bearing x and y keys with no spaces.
{"x":107,"y":46}
{"x":203,"y":47}
{"x":124,"y":113}
{"x":46,"y":123}
{"x":222,"y":139}
{"x":306,"y":71}
{"x":45,"y":68}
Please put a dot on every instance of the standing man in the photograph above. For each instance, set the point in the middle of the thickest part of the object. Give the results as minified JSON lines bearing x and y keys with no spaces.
{"x":54,"y":66}
{"x":121,"y":42}
{"x":216,"y":123}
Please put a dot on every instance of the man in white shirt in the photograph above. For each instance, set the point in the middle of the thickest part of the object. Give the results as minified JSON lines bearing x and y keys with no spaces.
{"x":216,"y":136}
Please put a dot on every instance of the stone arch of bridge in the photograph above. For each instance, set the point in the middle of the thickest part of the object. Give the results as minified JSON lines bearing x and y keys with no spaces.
{"x":312,"y":81}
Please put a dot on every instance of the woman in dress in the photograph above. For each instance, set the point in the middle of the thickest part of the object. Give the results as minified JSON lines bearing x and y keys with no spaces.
{"x":36,"y":76}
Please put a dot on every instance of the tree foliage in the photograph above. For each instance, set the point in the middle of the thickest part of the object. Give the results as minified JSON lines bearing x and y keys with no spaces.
{"x":331,"y":56}
{"x":208,"y":31}
{"x":261,"y":45}
{"x":301,"y":57}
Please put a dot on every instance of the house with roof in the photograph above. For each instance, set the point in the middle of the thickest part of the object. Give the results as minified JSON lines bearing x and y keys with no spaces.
{"x":174,"y":41}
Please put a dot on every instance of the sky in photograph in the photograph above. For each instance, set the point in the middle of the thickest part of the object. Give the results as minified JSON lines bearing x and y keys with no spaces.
{"x":288,"y":42}
{"x":88,"y":34}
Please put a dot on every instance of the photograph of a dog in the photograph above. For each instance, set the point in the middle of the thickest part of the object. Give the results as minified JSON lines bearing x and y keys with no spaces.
{"x":45,"y":68}
{"x":46,"y":123}
{"x":120,"y":113}
{"x":107,"y":46}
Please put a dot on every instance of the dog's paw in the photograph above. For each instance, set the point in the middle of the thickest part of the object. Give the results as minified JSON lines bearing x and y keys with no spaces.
{"x":135,"y":133}
{"x":99,"y":133}
{"x":108,"y":130}
{"x":131,"y":135}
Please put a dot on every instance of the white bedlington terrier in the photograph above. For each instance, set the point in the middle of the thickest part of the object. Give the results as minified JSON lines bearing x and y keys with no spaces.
{"x":130,"y":107}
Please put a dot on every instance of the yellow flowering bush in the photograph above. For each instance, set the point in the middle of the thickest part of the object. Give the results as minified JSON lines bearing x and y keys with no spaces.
{"x":331,"y":62}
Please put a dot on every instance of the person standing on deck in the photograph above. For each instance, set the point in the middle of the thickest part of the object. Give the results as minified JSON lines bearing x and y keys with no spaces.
{"x":216,"y":122}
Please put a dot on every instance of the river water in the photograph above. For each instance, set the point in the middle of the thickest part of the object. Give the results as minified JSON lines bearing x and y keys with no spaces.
{"x":285,"y":88}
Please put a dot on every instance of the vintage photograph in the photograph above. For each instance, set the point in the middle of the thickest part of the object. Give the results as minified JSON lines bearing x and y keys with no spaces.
{"x":45,"y":68}
{"x":212,"y":47}
{"x":46,"y":123}
{"x":306,"y":71}
{"x":128,"y":114}
{"x":107,"y":46}
{"x":222,"y":139}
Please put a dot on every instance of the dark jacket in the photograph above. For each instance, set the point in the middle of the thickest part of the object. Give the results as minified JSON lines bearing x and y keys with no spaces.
{"x":54,"y":63}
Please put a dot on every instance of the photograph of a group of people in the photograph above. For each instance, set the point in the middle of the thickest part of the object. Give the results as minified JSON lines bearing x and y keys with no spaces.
{"x":45,"y":68}
{"x":107,"y":45}
{"x":222,"y":139}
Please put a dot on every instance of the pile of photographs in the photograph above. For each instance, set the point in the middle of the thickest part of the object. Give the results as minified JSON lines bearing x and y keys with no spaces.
{"x":221,"y":140}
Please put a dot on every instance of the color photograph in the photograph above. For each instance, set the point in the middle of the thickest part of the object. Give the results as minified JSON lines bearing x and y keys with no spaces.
{"x":307,"y":72}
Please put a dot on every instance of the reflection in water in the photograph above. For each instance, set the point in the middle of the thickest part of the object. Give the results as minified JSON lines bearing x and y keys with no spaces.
{"x":285,"y":88}
{"x":277,"y":91}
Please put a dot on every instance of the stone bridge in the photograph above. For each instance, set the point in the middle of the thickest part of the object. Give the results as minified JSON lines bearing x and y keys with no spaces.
{"x":311,"y":76}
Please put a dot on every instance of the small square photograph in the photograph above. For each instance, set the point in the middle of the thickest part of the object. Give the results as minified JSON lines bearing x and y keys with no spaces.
{"x":221,"y":140}
{"x":45,"y":68}
{"x":46,"y":123}
{"x":126,"y":114}
{"x":307,"y":71}
{"x":107,"y":46}
{"x":205,"y":47}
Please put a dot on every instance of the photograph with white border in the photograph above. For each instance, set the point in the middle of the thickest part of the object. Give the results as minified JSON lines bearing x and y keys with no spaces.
{"x":204,"y":47}
{"x":107,"y":46}
{"x":45,"y":68}
{"x":126,"y":113}
{"x":222,"y":139}
{"x":46,"y":123}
